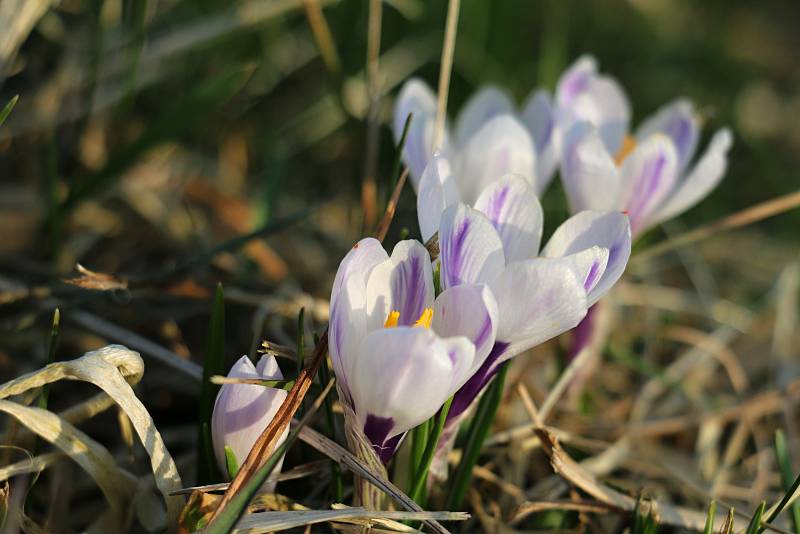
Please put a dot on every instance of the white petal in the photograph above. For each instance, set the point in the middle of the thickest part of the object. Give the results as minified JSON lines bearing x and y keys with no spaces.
{"x":648,"y":176}
{"x":469,"y":311}
{"x":437,"y":191}
{"x":609,"y":230}
{"x":676,"y":120}
{"x":268,"y":369}
{"x":470,"y":248}
{"x":575,"y":80}
{"x":501,"y":146}
{"x":403,"y":283}
{"x":604,"y":105}
{"x":538,"y":116}
{"x":347,"y":327}
{"x":482,"y":106}
{"x":554,"y":301}
{"x":514,"y":210}
{"x":590,"y":177}
{"x":406,"y":374}
{"x":359,"y":262}
{"x":703,"y":178}
{"x":418,"y":99}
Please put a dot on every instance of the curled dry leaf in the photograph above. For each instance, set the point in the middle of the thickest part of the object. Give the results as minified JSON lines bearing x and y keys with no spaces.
{"x":113,"y":369}
{"x":96,"y":281}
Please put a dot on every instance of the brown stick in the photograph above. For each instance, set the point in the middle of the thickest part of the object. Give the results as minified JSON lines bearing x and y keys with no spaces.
{"x":747,"y":216}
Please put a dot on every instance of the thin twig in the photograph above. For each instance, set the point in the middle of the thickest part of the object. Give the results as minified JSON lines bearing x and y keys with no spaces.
{"x":445,"y":69}
{"x":322,"y":36}
{"x":750,"y":215}
{"x":369,"y":189}
{"x":391,"y":207}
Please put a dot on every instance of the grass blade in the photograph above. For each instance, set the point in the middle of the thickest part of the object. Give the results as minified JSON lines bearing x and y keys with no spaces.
{"x":785,"y":466}
{"x":478,"y":430}
{"x":7,"y":109}
{"x":213,"y":364}
{"x":712,"y":511}
{"x":755,"y":523}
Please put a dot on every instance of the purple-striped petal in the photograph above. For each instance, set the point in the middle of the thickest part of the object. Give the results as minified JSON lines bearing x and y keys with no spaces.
{"x":501,"y":146}
{"x":471,"y":251}
{"x":469,"y":311}
{"x":554,"y":301}
{"x":608,"y":230}
{"x":418,"y":99}
{"x":677,"y":121}
{"x":405,"y":374}
{"x":514,"y":210}
{"x":702,"y":179}
{"x":346,"y":327}
{"x":403,"y":283}
{"x":482,"y":106}
{"x":648,"y":176}
{"x":538,"y":115}
{"x":437,"y":191}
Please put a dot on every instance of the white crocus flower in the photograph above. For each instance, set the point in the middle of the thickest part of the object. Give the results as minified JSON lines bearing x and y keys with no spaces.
{"x":491,"y":137}
{"x":649,"y":175}
{"x":398,"y":352}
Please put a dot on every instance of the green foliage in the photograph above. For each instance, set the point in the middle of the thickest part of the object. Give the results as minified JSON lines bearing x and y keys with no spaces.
{"x":213,"y":364}
{"x":7,"y":109}
{"x":712,"y":511}
{"x":231,"y":463}
{"x":644,"y":523}
{"x":478,"y":430}
{"x":785,"y":465}
{"x":755,"y":526}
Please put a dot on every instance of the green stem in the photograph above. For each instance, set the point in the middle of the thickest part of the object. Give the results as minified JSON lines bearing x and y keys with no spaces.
{"x":424,"y":466}
{"x":213,"y":364}
{"x":478,"y":430}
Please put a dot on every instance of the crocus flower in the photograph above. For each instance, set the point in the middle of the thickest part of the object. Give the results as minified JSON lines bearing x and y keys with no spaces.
{"x":539,"y":295}
{"x":490,"y":139}
{"x":649,"y":175}
{"x":398,"y":352}
{"x":243,"y":411}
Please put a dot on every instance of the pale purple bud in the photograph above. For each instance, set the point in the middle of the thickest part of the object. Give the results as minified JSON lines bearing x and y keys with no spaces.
{"x":243,"y":411}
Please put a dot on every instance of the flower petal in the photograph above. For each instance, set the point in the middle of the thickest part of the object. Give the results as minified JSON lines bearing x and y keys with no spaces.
{"x":609,"y":230}
{"x":403,"y":283}
{"x":405,"y":374}
{"x":482,"y":106}
{"x":418,"y":99}
{"x":575,"y":80}
{"x":347,"y":327}
{"x":470,"y":248}
{"x":590,"y":177}
{"x":268,"y":369}
{"x":514,"y":210}
{"x":704,"y":177}
{"x":538,"y":115}
{"x":554,"y":301}
{"x":604,"y":105}
{"x":469,"y":311}
{"x":501,"y":146}
{"x":359,"y":262}
{"x":648,"y":176}
{"x":437,"y":191}
{"x":677,"y":121}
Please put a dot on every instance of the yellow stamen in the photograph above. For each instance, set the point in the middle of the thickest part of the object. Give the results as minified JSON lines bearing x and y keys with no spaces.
{"x":628,"y":145}
{"x":425,"y":319}
{"x":391,"y":321}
